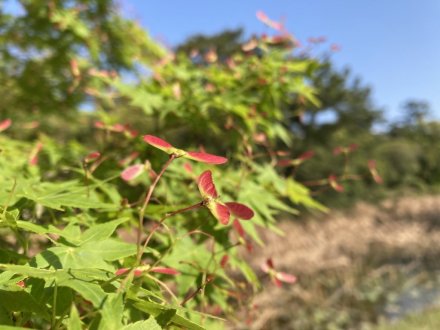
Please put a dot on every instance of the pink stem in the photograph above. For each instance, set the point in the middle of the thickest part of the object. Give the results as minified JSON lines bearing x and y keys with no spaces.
{"x":168,"y":215}
{"x":145,"y":204}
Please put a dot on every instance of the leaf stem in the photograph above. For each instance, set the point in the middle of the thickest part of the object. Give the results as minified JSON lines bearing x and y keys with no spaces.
{"x":145,"y":204}
{"x":162,"y":284}
{"x":157,"y":225}
{"x":14,"y":186}
{"x":54,"y":306}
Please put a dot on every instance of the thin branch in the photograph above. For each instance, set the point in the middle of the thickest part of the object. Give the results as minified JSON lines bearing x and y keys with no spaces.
{"x":145,"y":204}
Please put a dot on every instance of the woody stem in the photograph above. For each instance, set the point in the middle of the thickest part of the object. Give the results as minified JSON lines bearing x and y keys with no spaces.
{"x":168,"y":215}
{"x":145,"y":204}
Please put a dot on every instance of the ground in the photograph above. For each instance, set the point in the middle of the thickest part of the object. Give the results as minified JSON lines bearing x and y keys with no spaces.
{"x":353,"y":266}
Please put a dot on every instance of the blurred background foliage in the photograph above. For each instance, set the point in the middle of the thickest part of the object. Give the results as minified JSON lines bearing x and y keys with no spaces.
{"x":82,"y":57}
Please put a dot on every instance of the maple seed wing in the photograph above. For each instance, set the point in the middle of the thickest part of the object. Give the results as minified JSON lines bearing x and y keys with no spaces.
{"x":334,"y":184}
{"x":206,"y":185}
{"x":205,"y":157}
{"x":277,"y":282}
{"x":220,"y":212}
{"x":269,"y":263}
{"x":121,"y":271}
{"x":306,"y":155}
{"x":165,"y":270}
{"x":92,"y":157}
{"x":265,"y":268}
{"x":132,"y":172}
{"x":224,"y":261}
{"x":159,"y":143}
{"x":287,"y":278}
{"x":239,"y":210}
{"x":239,"y":228}
{"x":4,"y":125}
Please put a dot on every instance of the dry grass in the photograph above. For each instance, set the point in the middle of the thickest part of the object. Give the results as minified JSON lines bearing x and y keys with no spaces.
{"x":343,"y":248}
{"x":334,"y":240}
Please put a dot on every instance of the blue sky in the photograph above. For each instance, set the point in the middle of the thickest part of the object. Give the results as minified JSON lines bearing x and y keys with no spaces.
{"x":393,"y":45}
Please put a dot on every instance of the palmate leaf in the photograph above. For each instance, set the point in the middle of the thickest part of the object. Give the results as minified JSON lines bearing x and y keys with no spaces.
{"x":68,"y":20}
{"x":59,"y":275}
{"x":112,"y":312}
{"x":206,"y":185}
{"x":72,"y":232}
{"x":74,"y":322}
{"x":299,"y":194}
{"x":5,"y":317}
{"x":157,"y":310}
{"x":88,"y":255}
{"x":83,"y":281}
{"x":138,"y":97}
{"x":88,"y":290}
{"x":101,"y":231}
{"x":22,"y":301}
{"x":59,"y":195}
{"x":148,"y":324}
{"x":8,"y":218}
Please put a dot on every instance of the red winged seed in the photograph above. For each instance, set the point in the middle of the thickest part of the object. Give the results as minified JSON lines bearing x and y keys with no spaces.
{"x":206,"y":185}
{"x":371,"y":164}
{"x":165,"y":270}
{"x":132,"y":172}
{"x":276,"y":281}
{"x":21,"y":284}
{"x":224,"y":261}
{"x":269,"y":263}
{"x":284,"y":277}
{"x":188,"y":168}
{"x":239,"y":228}
{"x":334,"y":184}
{"x":194,"y":155}
{"x":99,"y":124}
{"x":209,"y":193}
{"x":120,"y":271}
{"x":33,"y":157}
{"x":284,"y":162}
{"x":221,"y":212}
{"x":118,"y":128}
{"x":373,"y":170}
{"x":306,"y":155}
{"x":206,"y":158}
{"x":239,"y":210}
{"x":4,"y":125}
{"x":92,"y":156}
{"x":158,"y":143}
{"x":276,"y":276}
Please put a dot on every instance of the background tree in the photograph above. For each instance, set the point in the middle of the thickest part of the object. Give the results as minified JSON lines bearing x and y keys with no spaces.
{"x":225,"y":43}
{"x":48,"y":48}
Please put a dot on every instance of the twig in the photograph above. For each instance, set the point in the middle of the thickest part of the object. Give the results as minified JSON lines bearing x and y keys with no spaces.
{"x":145,"y":204}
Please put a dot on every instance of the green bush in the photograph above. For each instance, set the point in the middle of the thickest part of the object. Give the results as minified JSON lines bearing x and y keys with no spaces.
{"x":78,"y":189}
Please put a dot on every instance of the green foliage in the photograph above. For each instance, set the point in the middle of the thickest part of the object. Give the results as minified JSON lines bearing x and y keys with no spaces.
{"x":226,"y":44}
{"x":69,"y":225}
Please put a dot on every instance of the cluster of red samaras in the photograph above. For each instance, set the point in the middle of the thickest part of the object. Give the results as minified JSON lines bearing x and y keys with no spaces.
{"x":140,"y":270}
{"x":117,"y":128}
{"x":332,"y":179}
{"x":277,"y":277}
{"x":221,"y":211}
